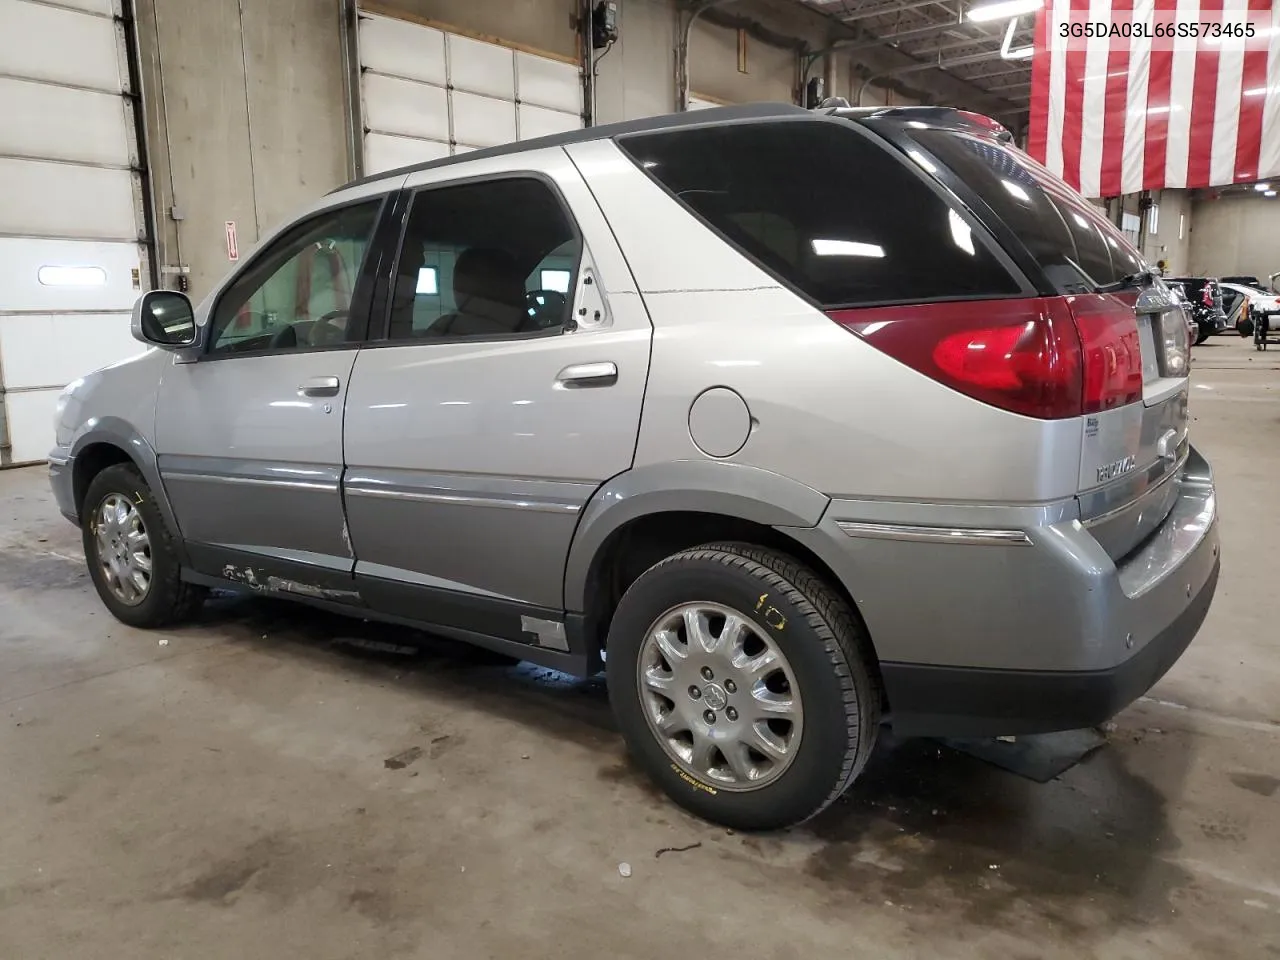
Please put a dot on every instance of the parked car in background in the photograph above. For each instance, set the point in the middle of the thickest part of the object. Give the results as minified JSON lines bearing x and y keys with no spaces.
{"x":1188,"y":315}
{"x":707,"y":469}
{"x":1244,"y":281}
{"x":1205,"y":298}
{"x":1245,"y":304}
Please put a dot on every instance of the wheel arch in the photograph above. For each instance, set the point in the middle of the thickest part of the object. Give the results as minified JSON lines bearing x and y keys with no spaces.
{"x":641,"y":516}
{"x":112,"y":441}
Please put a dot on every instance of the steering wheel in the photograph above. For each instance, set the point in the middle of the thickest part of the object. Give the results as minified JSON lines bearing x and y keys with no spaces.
{"x":330,"y":328}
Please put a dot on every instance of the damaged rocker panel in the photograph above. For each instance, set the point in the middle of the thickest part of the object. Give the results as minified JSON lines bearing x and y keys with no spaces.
{"x":267,"y":583}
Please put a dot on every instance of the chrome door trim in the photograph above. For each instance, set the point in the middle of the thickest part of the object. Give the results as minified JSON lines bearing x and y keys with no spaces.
{"x":973,"y":536}
{"x":252,"y":481}
{"x":513,"y":503}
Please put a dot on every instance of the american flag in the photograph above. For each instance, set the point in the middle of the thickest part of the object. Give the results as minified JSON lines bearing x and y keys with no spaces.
{"x":1118,"y":114}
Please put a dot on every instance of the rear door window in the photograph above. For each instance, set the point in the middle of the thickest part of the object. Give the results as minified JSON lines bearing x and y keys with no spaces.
{"x":827,"y":210}
{"x":486,"y":259}
{"x":1075,"y":245}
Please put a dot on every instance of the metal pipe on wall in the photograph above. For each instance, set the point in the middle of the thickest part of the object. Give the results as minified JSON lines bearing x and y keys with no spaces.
{"x":587,"y":56}
{"x":687,"y":17}
{"x":349,"y":37}
{"x":920,"y":67}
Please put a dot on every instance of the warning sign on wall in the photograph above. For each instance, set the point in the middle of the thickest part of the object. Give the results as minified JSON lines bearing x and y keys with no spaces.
{"x":233,"y":250}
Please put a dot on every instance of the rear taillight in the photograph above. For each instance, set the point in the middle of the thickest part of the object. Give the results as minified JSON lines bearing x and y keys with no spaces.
{"x":1047,"y":357}
{"x":1112,"y":351}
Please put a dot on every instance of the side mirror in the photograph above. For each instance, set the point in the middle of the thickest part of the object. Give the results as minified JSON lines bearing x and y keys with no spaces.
{"x":165,"y":319}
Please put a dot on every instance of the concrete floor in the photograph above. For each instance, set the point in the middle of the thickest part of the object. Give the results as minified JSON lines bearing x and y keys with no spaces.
{"x":259,"y":785}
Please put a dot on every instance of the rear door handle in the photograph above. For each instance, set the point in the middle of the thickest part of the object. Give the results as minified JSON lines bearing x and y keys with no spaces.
{"x":602,"y":374}
{"x":319,"y":387}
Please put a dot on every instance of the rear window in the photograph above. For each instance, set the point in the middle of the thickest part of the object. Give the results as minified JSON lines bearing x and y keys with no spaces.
{"x":1075,"y":245}
{"x":826,"y":210}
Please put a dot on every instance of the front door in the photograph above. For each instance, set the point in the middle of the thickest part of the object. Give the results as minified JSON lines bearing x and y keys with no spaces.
{"x":508,"y":387}
{"x":249,"y":436}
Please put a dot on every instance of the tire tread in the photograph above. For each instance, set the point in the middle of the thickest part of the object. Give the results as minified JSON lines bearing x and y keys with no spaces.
{"x":843,"y":637}
{"x":183,"y":598}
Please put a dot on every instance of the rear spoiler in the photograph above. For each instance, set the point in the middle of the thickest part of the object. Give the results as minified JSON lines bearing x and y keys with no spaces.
{"x":951,"y":117}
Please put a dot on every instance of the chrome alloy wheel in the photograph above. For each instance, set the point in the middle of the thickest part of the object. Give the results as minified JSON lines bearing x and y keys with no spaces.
{"x":719,"y":696}
{"x":124,"y":549}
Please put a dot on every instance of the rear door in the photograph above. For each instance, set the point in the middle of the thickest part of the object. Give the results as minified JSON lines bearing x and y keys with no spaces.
{"x":506,"y":387}
{"x":1135,"y":437}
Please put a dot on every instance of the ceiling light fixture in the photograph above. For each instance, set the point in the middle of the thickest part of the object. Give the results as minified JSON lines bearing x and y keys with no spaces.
{"x":1003,"y":8}
{"x":1007,"y":51}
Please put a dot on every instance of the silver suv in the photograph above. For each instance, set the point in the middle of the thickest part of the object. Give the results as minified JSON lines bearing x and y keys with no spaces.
{"x":793,"y":422}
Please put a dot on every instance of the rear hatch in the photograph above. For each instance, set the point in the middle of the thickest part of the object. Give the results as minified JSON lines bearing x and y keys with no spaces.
{"x":1132,"y":331}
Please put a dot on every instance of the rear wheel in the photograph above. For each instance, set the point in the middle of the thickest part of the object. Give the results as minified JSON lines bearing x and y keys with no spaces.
{"x":132,"y":558}
{"x":743,"y":685}
{"x":1206,"y":331}
{"x":1244,"y":327}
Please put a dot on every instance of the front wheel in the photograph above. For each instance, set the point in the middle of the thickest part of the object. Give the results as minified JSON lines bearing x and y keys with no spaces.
{"x":743,"y":685}
{"x":132,"y":558}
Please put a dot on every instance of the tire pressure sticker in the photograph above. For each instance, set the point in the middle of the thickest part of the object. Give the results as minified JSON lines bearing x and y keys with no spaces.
{"x":696,"y":784}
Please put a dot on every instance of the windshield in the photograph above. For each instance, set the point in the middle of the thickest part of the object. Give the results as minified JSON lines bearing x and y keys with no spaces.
{"x":1076,"y":246}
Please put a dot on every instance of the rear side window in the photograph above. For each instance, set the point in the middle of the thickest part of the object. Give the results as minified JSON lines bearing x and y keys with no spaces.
{"x":487,"y":259}
{"x":1077,"y":247}
{"x":827,"y":210}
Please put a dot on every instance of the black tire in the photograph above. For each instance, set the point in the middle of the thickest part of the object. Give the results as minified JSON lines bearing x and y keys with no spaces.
{"x":168,"y":599}
{"x":829,"y":654}
{"x":1244,"y":328}
{"x":1206,"y":331}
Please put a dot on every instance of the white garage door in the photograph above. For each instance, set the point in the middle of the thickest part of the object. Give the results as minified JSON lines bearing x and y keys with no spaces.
{"x":428,"y":93}
{"x":70,"y":209}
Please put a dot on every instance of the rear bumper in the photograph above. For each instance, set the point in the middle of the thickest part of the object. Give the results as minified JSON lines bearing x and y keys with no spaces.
{"x":979,"y":636}
{"x":959,"y":701}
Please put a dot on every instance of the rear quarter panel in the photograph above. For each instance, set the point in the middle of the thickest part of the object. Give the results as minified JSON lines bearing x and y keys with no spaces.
{"x":827,"y":409}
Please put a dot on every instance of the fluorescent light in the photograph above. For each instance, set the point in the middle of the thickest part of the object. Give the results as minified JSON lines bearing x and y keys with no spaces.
{"x":427,"y":284}
{"x":1169,"y":109}
{"x":1016,"y":190}
{"x":846,"y":248}
{"x":1006,"y":47}
{"x":557,"y":280}
{"x":922,"y":160}
{"x":72,"y":276}
{"x":1257,"y":92}
{"x":1002,"y":9}
{"x":1260,"y":187}
{"x":960,"y":232}
{"x":1269,"y":193}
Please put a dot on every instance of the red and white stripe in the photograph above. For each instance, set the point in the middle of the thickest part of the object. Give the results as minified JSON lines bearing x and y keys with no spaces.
{"x":1113,"y":116}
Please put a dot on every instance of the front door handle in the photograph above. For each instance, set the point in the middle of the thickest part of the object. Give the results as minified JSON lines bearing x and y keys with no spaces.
{"x":602,"y":374}
{"x":319,"y":387}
